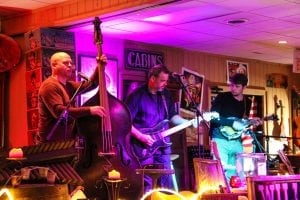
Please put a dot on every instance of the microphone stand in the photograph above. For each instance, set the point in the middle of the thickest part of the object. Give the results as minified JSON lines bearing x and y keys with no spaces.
{"x":64,"y":115}
{"x":256,"y":142}
{"x":197,"y":112}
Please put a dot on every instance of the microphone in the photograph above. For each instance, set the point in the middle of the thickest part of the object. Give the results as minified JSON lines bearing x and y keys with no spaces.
{"x":83,"y":76}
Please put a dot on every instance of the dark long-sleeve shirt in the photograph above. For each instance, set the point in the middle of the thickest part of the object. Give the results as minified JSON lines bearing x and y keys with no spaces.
{"x":54,"y":99}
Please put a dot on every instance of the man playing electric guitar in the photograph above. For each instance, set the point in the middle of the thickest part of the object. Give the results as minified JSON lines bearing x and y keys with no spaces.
{"x":232,"y":107}
{"x":149,"y":105}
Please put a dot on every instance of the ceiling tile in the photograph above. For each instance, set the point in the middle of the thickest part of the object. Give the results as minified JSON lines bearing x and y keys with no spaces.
{"x":201,"y":25}
{"x":280,"y":10}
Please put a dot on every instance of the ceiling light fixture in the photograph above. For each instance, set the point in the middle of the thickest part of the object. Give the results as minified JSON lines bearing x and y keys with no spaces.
{"x":282,"y":42}
{"x":237,"y":21}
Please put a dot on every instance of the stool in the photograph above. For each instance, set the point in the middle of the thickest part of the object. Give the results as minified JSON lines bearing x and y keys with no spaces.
{"x":174,"y":181}
{"x":154,"y":174}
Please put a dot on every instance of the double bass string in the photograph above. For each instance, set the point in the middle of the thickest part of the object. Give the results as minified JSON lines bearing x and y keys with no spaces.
{"x":106,"y":130}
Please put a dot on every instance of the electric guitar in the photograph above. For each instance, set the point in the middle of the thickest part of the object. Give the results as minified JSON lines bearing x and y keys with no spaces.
{"x":282,"y":131}
{"x":142,"y":151}
{"x":276,"y":127}
{"x":230,"y":133}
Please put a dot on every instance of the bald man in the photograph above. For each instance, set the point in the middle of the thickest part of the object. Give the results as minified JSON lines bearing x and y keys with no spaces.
{"x":54,"y":97}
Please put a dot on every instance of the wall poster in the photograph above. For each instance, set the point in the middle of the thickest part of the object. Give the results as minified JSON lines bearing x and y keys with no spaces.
{"x":234,"y":67}
{"x":87,"y":65}
{"x":191,"y":98}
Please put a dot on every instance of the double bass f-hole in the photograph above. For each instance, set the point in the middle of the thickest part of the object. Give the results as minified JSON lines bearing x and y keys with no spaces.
{"x":106,"y":148}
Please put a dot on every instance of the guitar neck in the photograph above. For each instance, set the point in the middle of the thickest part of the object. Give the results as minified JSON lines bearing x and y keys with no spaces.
{"x":206,"y":117}
{"x":177,"y":128}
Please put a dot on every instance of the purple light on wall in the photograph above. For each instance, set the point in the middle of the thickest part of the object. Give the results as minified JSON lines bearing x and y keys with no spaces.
{"x":87,"y":51}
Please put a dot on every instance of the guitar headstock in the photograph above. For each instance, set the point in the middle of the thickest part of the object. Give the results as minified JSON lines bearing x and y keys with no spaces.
{"x":280,"y":104}
{"x":276,"y":104}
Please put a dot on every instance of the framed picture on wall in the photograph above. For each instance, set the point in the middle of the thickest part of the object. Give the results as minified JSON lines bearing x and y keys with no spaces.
{"x":276,"y":80}
{"x":234,"y":67}
{"x":191,"y":98}
{"x":87,"y":65}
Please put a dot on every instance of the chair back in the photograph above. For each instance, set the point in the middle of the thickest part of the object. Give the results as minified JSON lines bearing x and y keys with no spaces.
{"x":284,"y":187}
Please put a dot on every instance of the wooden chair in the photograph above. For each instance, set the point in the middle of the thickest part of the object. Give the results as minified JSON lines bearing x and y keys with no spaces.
{"x":284,"y":187}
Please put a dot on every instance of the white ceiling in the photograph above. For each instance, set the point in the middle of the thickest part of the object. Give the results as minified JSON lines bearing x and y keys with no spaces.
{"x":202,"y":25}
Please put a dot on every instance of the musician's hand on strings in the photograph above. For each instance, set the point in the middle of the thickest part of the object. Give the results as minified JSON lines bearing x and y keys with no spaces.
{"x":102,"y":60}
{"x":238,"y":125}
{"x":98,"y":110}
{"x":147,"y":139}
{"x":256,"y":121}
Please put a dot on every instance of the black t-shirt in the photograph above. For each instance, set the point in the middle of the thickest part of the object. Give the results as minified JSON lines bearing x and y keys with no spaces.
{"x":227,"y":106}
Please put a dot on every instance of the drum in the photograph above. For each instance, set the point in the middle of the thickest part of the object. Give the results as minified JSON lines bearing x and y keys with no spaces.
{"x":249,"y":164}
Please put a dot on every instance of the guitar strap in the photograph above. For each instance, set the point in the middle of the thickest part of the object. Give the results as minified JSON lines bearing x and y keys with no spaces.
{"x":165,"y":104}
{"x":245,"y":107}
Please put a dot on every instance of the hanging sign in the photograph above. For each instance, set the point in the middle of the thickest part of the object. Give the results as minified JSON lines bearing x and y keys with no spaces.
{"x":141,"y":59}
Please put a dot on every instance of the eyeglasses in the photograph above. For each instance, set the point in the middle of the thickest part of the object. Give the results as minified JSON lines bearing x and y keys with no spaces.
{"x":67,"y":63}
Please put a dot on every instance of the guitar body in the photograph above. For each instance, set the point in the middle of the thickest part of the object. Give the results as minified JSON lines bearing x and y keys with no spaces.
{"x":230,"y":133}
{"x":141,"y":151}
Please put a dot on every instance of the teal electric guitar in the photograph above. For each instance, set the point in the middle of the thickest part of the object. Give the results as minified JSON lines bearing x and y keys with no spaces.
{"x":230,"y":133}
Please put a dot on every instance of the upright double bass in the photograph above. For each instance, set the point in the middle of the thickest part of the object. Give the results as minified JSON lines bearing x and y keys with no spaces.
{"x":105,"y":139}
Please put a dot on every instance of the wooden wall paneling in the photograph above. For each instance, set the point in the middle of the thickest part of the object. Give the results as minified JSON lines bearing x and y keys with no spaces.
{"x":186,"y":57}
{"x":252,"y":74}
{"x":197,"y":63}
{"x":208,"y":65}
{"x":202,"y":65}
{"x":214,"y":72}
{"x":261,"y":74}
{"x":174,"y":59}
